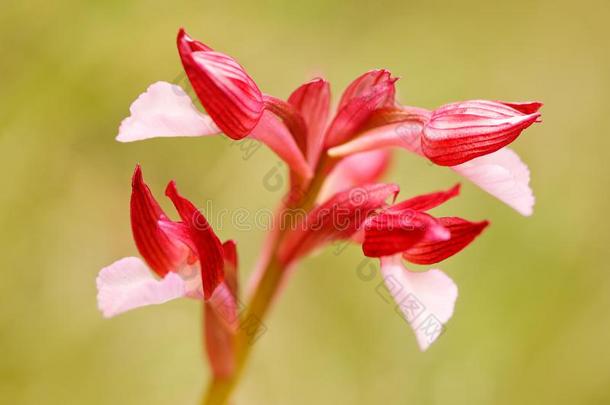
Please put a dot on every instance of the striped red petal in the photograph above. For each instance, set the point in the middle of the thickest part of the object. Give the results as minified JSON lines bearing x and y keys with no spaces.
{"x":209,"y":248}
{"x":312,"y":100}
{"x":426,"y":202}
{"x":363,"y":85}
{"x":526,"y":107}
{"x":463,"y":232}
{"x":356,"y":108}
{"x":160,"y":251}
{"x":227,"y":92}
{"x":393,"y":232}
{"x":459,"y":132}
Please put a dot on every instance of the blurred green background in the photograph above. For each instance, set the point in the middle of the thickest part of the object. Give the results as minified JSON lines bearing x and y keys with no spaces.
{"x":532,"y":323}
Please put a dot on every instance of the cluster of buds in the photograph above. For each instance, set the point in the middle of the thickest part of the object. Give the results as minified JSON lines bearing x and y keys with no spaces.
{"x":335,"y":163}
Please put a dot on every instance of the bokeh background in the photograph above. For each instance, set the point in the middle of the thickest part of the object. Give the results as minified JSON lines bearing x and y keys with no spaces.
{"x":532,"y":323}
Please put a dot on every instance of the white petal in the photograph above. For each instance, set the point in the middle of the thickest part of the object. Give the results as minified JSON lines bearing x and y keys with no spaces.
{"x":128,"y":283}
{"x":503,"y":175}
{"x":164,"y":110}
{"x":425,"y":299}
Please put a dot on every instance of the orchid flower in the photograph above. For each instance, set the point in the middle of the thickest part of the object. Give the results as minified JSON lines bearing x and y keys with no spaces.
{"x":402,"y":230}
{"x":234,"y":104}
{"x":336,"y":162}
{"x":179,"y":259}
{"x":470,"y":137}
{"x":405,"y":231}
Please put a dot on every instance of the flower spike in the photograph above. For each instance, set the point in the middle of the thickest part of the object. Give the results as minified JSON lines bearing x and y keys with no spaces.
{"x":335,"y":194}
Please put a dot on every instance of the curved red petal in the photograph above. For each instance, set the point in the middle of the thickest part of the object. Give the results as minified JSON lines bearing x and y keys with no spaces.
{"x":312,"y":100}
{"x":462,"y":131}
{"x":393,"y":232}
{"x":463,"y":232}
{"x":426,"y":202}
{"x":227,"y":92}
{"x":161,"y":252}
{"x":358,"y":106}
{"x":209,"y":248}
{"x":526,"y":107}
{"x":363,"y":85}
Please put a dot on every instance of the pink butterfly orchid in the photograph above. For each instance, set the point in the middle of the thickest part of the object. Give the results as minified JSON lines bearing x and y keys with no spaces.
{"x":336,"y":161}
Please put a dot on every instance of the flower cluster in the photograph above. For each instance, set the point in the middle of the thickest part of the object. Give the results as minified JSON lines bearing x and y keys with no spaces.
{"x":335,"y":163}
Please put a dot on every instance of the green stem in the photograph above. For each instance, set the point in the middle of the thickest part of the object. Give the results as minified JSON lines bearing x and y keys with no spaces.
{"x":220,"y":390}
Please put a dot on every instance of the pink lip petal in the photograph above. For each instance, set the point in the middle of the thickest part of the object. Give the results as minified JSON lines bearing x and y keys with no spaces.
{"x":425,"y":299}
{"x":128,"y":283}
{"x":164,"y":110}
{"x":503,"y":175}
